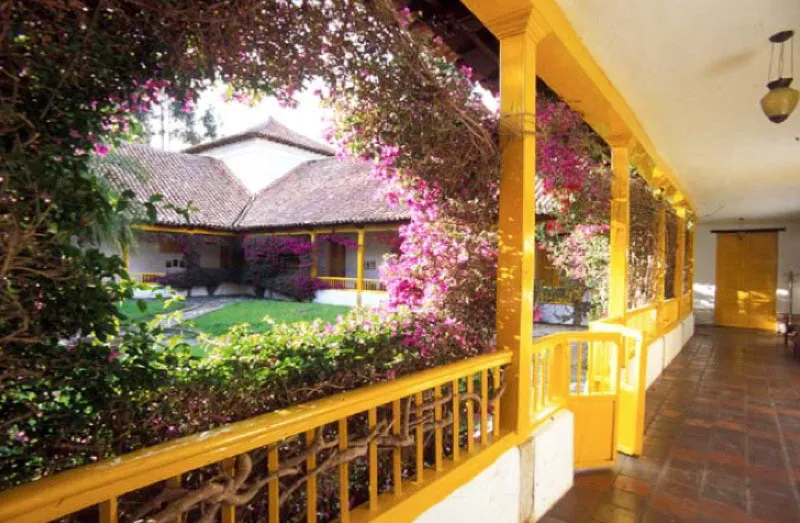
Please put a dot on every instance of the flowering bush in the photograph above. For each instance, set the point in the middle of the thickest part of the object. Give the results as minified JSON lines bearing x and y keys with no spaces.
{"x":280,"y":264}
{"x":573,"y":163}
{"x":82,"y":76}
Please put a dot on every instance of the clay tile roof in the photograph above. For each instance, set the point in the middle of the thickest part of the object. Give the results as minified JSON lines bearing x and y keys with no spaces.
{"x":219,"y":197}
{"x":271,"y":130}
{"x":321,"y":192}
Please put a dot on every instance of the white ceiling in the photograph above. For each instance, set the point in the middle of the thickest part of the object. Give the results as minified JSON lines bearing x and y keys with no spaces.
{"x":694,"y":71}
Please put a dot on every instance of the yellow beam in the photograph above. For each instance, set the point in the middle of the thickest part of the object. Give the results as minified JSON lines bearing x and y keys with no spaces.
{"x":620,"y":231}
{"x":567,"y":66}
{"x":182,"y":230}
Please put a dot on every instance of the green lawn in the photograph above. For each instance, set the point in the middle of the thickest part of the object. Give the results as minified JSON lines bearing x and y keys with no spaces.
{"x":253,"y":311}
{"x":130,"y":309}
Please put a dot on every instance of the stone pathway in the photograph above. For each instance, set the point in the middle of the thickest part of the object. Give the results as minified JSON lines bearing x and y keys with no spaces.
{"x":199,"y":306}
{"x":722,"y":441}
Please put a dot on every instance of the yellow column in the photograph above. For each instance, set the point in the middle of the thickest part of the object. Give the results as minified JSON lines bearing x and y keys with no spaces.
{"x":620,"y":230}
{"x":680,"y":253}
{"x":690,"y":279}
{"x":360,"y":266}
{"x":313,"y":254}
{"x":518,"y":37}
{"x":661,"y":260}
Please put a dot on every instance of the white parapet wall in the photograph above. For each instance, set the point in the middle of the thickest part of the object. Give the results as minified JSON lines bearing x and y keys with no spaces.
{"x":350,"y":297}
{"x":521,"y":485}
{"x":663,"y":351}
{"x":655,"y":360}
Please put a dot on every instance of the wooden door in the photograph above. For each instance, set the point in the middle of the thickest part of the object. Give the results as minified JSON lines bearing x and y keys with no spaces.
{"x":747,"y":279}
{"x":336,"y":260}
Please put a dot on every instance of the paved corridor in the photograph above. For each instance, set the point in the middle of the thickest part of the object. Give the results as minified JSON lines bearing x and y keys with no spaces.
{"x":722,"y":441}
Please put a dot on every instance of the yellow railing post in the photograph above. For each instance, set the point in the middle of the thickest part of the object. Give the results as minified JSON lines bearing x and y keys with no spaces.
{"x":360,"y":266}
{"x":313,"y":254}
{"x":620,"y":228}
{"x":519,"y":36}
{"x":679,"y":259}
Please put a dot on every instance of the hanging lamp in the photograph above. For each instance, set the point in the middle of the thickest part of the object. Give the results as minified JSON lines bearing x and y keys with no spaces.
{"x":781,"y":100}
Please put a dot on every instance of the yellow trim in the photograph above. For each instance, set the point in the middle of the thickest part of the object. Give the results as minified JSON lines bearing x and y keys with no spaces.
{"x":331,"y":230}
{"x":183,"y":230}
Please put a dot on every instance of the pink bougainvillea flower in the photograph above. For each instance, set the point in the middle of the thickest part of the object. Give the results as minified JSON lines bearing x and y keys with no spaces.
{"x":101,"y":149}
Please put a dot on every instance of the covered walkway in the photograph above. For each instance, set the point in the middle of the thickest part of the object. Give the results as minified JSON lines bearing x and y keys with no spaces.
{"x":722,"y":441}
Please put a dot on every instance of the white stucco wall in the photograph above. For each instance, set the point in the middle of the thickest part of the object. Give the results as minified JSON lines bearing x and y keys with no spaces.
{"x":655,"y":360}
{"x":553,"y":462}
{"x":532,"y":476}
{"x":673,"y":343}
{"x":349,"y":298}
{"x":258,"y":162}
{"x":706,"y":259}
{"x":146,"y":256}
{"x":493,"y":495}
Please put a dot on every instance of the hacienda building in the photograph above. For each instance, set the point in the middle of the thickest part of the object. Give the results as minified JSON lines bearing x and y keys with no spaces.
{"x":267,"y":180}
{"x":271,"y":180}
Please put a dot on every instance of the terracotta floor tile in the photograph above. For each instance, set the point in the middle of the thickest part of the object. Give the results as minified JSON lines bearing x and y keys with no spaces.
{"x":683,"y":508}
{"x":720,"y":423}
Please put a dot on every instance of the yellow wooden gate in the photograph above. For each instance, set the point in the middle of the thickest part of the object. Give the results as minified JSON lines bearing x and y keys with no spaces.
{"x":583,"y":368}
{"x":747,"y":279}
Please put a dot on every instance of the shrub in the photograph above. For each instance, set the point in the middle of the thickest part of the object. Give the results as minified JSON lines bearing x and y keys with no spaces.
{"x":298,"y":286}
{"x":280,"y":264}
{"x":85,"y":400}
{"x":193,"y":277}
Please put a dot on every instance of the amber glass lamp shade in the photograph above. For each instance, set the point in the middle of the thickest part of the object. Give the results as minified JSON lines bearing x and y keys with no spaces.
{"x":780,"y":101}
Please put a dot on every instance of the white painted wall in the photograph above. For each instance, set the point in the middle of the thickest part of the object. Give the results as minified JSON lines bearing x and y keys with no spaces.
{"x":655,"y":361}
{"x":259,"y":162}
{"x":349,"y":297}
{"x":706,"y":259}
{"x":673,"y":343}
{"x":146,"y":256}
{"x":493,"y":495}
{"x":529,"y":478}
{"x":553,"y":461}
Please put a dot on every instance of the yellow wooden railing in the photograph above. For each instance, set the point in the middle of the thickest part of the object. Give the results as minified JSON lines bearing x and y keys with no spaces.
{"x":440,"y":428}
{"x":668,"y":314}
{"x":339,"y":283}
{"x":373,"y":285}
{"x":351,"y":284}
{"x":687,"y":303}
{"x":419,"y":438}
{"x":146,"y":277}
